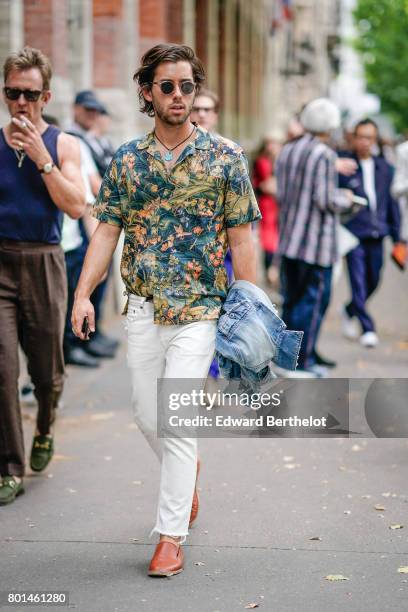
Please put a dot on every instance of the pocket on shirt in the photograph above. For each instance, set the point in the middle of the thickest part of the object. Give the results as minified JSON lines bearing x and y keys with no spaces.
{"x":231,"y":316}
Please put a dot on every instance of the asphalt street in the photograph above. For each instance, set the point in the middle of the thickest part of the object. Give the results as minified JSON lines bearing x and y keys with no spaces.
{"x":277,"y":515}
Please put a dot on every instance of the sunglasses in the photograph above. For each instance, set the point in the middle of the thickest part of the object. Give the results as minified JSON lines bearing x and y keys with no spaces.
{"x":167,"y":87}
{"x":31,"y":95}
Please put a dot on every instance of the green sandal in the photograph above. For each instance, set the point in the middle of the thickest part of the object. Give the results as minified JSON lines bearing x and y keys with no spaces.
{"x":41,"y":452}
{"x":10,"y":489}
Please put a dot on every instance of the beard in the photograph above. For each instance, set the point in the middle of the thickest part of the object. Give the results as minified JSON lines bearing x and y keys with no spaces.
{"x":168,"y":118}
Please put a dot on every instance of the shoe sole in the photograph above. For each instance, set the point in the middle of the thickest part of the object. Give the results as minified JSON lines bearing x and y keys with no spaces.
{"x":165,"y":575}
{"x":5,"y":503}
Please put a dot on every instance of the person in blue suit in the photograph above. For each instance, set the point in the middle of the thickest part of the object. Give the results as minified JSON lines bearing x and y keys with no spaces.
{"x":380,"y":218}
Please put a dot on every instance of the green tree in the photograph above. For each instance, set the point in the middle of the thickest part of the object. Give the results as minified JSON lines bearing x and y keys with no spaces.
{"x":382,"y":27}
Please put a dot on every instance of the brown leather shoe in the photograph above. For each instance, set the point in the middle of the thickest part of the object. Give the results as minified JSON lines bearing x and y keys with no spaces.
{"x":196,"y":501}
{"x":168,"y":559}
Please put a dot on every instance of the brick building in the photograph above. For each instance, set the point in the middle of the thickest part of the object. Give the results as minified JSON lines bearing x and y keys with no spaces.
{"x":261,"y":79}
{"x":97,"y":44}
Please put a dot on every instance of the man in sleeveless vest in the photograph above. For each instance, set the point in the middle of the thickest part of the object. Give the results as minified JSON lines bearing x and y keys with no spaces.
{"x":182,"y":197}
{"x":40,"y":180}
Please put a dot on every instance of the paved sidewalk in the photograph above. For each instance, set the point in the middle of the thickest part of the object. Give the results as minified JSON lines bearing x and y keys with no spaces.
{"x":82,"y":526}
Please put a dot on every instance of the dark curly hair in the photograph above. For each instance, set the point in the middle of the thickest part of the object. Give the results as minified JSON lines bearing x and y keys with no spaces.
{"x":144,"y":75}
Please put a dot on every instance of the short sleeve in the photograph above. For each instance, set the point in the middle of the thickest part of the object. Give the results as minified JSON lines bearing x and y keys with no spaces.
{"x":240,"y":203}
{"x":107,"y":206}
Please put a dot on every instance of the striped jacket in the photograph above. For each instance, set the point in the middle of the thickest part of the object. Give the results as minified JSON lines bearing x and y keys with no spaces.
{"x":309,"y":201}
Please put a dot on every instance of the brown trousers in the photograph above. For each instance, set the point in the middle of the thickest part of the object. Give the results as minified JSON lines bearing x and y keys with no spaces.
{"x":33,"y":294}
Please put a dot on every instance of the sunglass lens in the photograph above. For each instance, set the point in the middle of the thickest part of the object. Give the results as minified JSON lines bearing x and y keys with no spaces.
{"x":31,"y":96}
{"x":187,"y":87}
{"x":167,"y":87}
{"x":12,"y":94}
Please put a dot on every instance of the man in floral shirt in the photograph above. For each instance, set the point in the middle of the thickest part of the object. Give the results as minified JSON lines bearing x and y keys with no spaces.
{"x":182,"y":196}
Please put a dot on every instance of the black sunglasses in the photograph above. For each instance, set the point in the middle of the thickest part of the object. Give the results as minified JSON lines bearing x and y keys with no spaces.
{"x":31,"y":95}
{"x":167,"y":87}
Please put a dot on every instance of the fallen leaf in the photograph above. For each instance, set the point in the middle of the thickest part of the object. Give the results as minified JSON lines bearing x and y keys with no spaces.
{"x":379,"y":507}
{"x":199,"y":563}
{"x":316,"y":538}
{"x":336,"y":577}
{"x":347,"y":511}
{"x":251,"y":606}
{"x":69,"y":421}
{"x":62,"y":458}
{"x":362,"y":365}
{"x":403,"y":569}
{"x":396,"y":526}
{"x":102,"y":416}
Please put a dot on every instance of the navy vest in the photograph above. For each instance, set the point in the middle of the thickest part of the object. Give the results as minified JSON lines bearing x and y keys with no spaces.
{"x":27,"y":212}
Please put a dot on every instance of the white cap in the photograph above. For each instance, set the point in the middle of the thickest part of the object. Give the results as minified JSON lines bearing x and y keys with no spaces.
{"x":320,"y":116}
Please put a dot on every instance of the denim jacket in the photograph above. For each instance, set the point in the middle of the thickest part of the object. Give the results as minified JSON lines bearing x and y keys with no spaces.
{"x":250,"y":335}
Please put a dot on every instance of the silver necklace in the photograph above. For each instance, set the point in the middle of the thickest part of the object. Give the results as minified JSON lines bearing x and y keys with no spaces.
{"x":20,"y":156}
{"x":168,"y":156}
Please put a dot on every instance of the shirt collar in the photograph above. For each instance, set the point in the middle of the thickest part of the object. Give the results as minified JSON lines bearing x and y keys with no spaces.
{"x":201,"y":141}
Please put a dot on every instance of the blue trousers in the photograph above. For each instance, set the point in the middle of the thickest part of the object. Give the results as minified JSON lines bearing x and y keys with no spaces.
{"x":306,"y":296}
{"x":364,"y":265}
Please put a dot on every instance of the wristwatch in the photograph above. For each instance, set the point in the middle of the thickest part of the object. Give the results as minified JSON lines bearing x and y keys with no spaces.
{"x":47,"y":168}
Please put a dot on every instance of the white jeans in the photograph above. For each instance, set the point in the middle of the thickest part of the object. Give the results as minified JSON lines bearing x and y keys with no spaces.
{"x":167,"y":351}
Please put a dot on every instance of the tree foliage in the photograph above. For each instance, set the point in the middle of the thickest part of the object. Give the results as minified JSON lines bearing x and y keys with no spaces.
{"x":382,"y":27}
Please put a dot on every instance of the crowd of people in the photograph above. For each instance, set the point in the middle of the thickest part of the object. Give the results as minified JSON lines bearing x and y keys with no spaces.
{"x":319,"y":201}
{"x":183,"y":197}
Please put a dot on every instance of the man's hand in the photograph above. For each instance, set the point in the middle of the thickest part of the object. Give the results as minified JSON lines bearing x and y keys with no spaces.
{"x":82,"y":308}
{"x":346,"y":166}
{"x":30,"y":141}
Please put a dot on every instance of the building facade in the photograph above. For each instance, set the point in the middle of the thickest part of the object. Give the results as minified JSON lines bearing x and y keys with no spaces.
{"x":303,"y":56}
{"x":263,"y":71}
{"x":98,"y":43}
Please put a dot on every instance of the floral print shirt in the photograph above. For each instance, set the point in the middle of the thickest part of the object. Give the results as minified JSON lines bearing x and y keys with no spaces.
{"x":175,"y":221}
